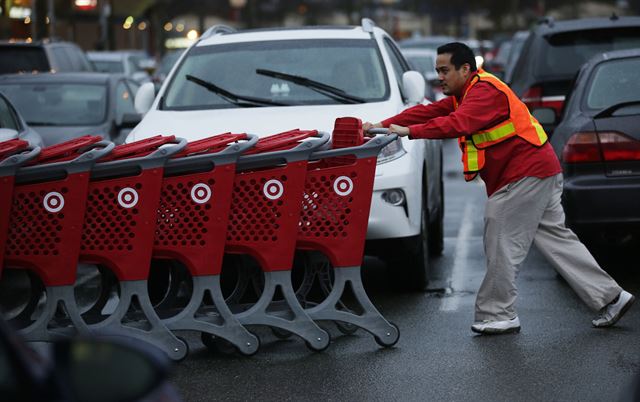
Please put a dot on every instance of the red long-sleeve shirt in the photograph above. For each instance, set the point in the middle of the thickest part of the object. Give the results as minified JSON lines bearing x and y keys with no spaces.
{"x":483,"y":107}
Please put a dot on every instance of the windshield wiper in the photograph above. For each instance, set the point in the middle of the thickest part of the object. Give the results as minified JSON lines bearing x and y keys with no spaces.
{"x":236,"y":99}
{"x":608,"y":112}
{"x":324,"y":89}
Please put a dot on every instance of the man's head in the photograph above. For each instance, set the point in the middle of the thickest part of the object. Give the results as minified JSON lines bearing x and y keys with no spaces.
{"x":455,"y":63}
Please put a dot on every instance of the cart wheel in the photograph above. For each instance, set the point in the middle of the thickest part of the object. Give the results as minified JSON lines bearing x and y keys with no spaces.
{"x":281,"y":333}
{"x":186,"y":351}
{"x":217,"y":344}
{"x":321,"y":348}
{"x":346,"y":327}
{"x":391,"y":341}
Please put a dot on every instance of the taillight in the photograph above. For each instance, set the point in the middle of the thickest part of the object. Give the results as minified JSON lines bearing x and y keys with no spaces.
{"x":598,"y":147}
{"x":534,"y":99}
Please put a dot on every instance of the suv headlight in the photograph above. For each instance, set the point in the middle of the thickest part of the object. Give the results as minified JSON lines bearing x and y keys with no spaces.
{"x":391,"y":152}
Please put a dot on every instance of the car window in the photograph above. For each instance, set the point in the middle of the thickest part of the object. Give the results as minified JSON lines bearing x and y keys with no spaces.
{"x":565,"y":52}
{"x":422,"y":63}
{"x":124,"y":100}
{"x":14,"y":59}
{"x":399,"y":65}
{"x":7,"y":117}
{"x":108,"y":66}
{"x":62,"y":59}
{"x":133,"y":86}
{"x":614,"y":82}
{"x":354,"y":66}
{"x":58,"y":104}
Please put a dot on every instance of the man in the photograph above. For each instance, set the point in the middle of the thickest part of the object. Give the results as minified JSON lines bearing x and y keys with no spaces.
{"x":502,"y":142}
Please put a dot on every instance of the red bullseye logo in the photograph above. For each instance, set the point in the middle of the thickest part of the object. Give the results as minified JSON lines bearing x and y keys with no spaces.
{"x":343,"y":186}
{"x":53,"y":202}
{"x":200,"y":193}
{"x":273,"y":189}
{"x":128,"y":197}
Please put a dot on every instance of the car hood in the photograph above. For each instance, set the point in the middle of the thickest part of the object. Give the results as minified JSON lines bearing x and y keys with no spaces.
{"x":57,"y":134}
{"x":193,"y":125}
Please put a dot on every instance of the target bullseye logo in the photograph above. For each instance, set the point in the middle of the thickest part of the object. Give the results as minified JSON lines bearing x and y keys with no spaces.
{"x":128,"y":197}
{"x":200,"y":193}
{"x":273,"y":189}
{"x":53,"y":202}
{"x":343,"y":186}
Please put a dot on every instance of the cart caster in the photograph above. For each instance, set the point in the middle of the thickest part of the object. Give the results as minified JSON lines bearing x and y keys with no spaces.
{"x":225,"y":347}
{"x":281,"y":333}
{"x":186,"y":350}
{"x":317,"y":347}
{"x":390,"y":340}
{"x":346,"y":327}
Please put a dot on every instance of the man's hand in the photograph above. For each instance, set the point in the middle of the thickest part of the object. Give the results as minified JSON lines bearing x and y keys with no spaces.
{"x":401,"y":131}
{"x":366,"y":126}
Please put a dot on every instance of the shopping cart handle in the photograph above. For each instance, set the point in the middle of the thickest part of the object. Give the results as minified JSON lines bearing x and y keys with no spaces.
{"x":207,"y":161}
{"x":370,"y":148}
{"x":166,"y":152}
{"x":379,"y":131}
{"x":98,"y":150}
{"x":239,"y":148}
{"x":301,"y":152}
{"x":315,"y":142}
{"x":24,"y":156}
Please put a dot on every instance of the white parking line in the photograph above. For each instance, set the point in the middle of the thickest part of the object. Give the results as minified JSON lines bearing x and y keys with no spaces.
{"x":450,"y":303}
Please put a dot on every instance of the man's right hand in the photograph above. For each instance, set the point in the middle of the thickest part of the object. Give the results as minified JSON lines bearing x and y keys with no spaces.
{"x":366,"y":126}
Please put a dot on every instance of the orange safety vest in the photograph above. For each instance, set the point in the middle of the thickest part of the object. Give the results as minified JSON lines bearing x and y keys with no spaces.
{"x":520,"y":123}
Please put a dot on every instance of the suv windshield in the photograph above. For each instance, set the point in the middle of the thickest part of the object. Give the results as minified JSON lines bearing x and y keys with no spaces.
{"x":352,"y":66}
{"x":567,"y":51}
{"x":58,"y":104}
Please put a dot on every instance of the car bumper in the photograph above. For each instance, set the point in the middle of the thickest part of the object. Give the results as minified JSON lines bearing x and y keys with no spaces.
{"x":389,"y":221}
{"x":597,"y":202}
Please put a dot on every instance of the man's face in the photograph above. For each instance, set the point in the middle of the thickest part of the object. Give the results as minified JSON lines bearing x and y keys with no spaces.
{"x":452,"y":80}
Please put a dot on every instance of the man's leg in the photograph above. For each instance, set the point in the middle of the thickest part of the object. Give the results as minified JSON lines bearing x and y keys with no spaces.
{"x":512,"y":215}
{"x":570,"y":257}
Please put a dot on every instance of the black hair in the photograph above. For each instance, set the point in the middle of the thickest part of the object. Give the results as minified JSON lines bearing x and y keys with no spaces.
{"x":460,"y":54}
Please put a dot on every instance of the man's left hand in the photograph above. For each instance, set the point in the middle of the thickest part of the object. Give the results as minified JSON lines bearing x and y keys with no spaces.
{"x":401,"y":131}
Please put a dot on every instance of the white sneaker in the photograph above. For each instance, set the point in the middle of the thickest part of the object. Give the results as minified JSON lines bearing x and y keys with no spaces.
{"x":612,"y":312}
{"x":497,"y":327}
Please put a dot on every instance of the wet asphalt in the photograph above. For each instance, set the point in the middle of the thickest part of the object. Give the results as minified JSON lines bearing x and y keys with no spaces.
{"x":558,"y":356}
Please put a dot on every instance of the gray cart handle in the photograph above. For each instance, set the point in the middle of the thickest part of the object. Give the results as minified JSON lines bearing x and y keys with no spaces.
{"x":370,"y":148}
{"x":301,"y":152}
{"x":228,"y":155}
{"x":20,"y":158}
{"x":124,"y":167}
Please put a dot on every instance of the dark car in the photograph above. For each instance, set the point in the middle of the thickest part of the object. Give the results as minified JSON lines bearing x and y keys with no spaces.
{"x":45,"y":55}
{"x":598,"y":143}
{"x":67,"y":105}
{"x":555,"y":50}
{"x":114,"y":370}
{"x":12,"y":125}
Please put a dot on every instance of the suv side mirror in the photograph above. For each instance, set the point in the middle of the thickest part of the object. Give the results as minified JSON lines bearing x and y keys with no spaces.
{"x":144,"y":97}
{"x":413,"y":86}
{"x":544,"y":115}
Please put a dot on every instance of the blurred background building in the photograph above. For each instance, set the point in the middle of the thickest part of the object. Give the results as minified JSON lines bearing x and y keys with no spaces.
{"x":160,"y":25}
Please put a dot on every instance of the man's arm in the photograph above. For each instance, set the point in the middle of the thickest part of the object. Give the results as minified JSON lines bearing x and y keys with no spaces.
{"x":415,"y":115}
{"x":483,"y":107}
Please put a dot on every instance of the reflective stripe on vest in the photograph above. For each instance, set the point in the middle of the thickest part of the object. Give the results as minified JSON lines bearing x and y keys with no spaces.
{"x":520,"y":123}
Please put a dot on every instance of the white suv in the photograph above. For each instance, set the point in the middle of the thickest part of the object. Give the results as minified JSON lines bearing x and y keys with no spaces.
{"x":272,"y":80}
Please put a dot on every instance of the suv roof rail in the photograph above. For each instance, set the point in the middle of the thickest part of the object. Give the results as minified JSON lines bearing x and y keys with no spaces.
{"x":216,"y":30}
{"x":547,"y":20}
{"x":368,"y":25}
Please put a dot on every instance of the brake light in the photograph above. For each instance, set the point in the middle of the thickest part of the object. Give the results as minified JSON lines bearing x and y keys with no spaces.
{"x":597,"y":147}
{"x":534,"y":98}
{"x":581,"y":148}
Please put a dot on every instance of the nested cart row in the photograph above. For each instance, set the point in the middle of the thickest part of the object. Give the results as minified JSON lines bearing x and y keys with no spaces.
{"x":120,"y":208}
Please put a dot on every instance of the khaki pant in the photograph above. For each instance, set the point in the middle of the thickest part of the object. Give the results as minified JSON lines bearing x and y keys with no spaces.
{"x":518,"y":214}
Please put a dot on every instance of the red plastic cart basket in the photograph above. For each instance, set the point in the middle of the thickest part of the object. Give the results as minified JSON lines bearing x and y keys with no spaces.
{"x":191,"y":227}
{"x":267,"y":198}
{"x":118,"y":235}
{"x":45,"y":226}
{"x":334,"y":220}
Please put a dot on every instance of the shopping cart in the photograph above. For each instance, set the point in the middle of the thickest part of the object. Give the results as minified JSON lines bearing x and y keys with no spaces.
{"x":265,"y":209}
{"x":191,"y":228}
{"x":118,"y":236}
{"x":13,"y":153}
{"x":334,"y":219}
{"x":44,"y":231}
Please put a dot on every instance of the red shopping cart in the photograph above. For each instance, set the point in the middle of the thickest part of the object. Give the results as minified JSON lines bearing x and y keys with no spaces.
{"x":118,"y":236}
{"x":191,"y":227}
{"x":265,"y":209}
{"x":334,"y":219}
{"x":44,"y":231}
{"x":13,"y":153}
